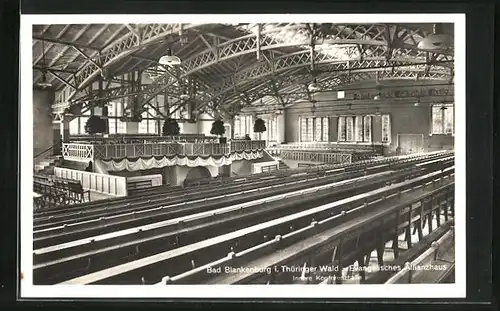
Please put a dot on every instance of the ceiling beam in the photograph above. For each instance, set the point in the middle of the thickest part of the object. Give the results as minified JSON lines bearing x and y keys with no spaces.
{"x":62,"y":42}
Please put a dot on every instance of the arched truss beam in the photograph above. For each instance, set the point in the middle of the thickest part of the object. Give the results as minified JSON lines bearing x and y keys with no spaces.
{"x":121,"y":48}
{"x":265,"y":70}
{"x":361,"y":37}
{"x":277,"y":65}
{"x":371,"y":41}
{"x":293,"y":88}
{"x":261,"y":70}
{"x":254,"y":78}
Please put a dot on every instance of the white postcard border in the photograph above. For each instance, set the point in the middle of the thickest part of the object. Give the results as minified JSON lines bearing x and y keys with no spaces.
{"x":28,"y":290}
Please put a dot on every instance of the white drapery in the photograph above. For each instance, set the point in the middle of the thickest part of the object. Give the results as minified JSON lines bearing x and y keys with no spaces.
{"x":149,"y":163}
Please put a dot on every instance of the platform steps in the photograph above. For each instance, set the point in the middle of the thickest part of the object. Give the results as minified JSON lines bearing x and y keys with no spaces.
{"x":282,"y":165}
{"x":46,"y":165}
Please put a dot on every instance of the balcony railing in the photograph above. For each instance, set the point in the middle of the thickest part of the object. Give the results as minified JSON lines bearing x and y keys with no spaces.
{"x":88,"y":152}
{"x":312,"y":156}
{"x":246,"y":145}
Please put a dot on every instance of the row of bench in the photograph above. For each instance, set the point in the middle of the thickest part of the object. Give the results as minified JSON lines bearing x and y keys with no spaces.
{"x":50,"y":191}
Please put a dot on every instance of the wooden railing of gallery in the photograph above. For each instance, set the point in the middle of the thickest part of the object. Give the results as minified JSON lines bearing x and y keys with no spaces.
{"x":90,"y":151}
{"x":325,"y":152}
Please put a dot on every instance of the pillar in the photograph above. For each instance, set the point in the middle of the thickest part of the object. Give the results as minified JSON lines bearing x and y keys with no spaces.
{"x":333,"y":128}
{"x":377,"y":129}
{"x":56,"y":137}
{"x":280,"y":125}
{"x":225,"y":170}
{"x":64,"y":130}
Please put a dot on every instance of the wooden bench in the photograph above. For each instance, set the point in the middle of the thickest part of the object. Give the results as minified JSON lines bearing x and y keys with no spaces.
{"x":136,"y":186}
{"x":306,"y":164}
{"x":50,"y":195}
{"x":269,"y":168}
{"x":77,"y":193}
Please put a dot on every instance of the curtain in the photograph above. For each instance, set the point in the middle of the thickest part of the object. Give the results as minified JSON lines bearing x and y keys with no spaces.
{"x":153,"y":162}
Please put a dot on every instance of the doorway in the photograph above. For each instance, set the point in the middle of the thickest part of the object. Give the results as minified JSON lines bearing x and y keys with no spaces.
{"x":410,"y":143}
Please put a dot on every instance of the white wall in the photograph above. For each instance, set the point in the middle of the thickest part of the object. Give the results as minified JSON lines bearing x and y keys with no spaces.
{"x":43,"y":129}
{"x":204,"y":127}
{"x":280,"y":122}
{"x":155,"y":179}
{"x":257,"y":167}
{"x":188,"y":128}
{"x":241,"y":168}
{"x":108,"y":184}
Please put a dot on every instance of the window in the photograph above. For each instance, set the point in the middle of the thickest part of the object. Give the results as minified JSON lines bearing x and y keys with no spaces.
{"x":314,"y":129}
{"x":121,"y":127}
{"x":386,"y":128}
{"x":303,"y":129}
{"x":271,"y":129}
{"x":355,"y":128}
{"x":74,"y":126}
{"x":342,"y":129}
{"x":243,"y":125}
{"x":359,"y":130}
{"x":443,"y":117}
{"x":367,"y":125}
{"x":349,"y":125}
{"x":325,"y":129}
{"x":111,"y":120}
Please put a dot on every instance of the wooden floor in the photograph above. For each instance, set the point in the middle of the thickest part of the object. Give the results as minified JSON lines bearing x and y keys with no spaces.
{"x":96,"y":196}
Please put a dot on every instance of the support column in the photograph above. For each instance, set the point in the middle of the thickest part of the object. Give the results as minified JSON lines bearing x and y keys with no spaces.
{"x":377,"y":129}
{"x":56,"y":137}
{"x":64,"y":130}
{"x":333,"y":128}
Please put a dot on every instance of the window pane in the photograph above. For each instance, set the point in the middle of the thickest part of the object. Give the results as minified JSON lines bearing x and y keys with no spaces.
{"x":368,"y":129}
{"x":437,"y":120}
{"x":73,"y":127}
{"x":143,"y":127}
{"x":386,"y":129}
{"x":349,"y":128}
{"x":83,"y":121}
{"x":342,"y":129}
{"x":237,"y":129}
{"x":152,"y":129}
{"x":359,"y":128}
{"x":325,"y":129}
{"x":310,"y":129}
{"x":303,"y":129}
{"x":317,"y":134}
{"x":448,"y":120}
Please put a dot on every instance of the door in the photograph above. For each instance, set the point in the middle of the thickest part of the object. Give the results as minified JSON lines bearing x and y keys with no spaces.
{"x":410,"y":143}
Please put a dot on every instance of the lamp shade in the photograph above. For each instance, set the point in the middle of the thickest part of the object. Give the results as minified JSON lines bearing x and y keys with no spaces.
{"x":435,"y":42}
{"x":169,"y":60}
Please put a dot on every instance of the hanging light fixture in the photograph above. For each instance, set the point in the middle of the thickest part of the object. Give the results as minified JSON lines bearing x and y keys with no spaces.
{"x":44,"y":83}
{"x":436,"y":41}
{"x":169,"y":59}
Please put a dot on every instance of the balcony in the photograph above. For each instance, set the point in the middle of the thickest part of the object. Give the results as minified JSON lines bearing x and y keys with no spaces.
{"x":84,"y":152}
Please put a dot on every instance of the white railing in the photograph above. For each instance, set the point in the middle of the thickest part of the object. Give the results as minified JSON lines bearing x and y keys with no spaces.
{"x":86,"y":152}
{"x":246,"y":145}
{"x":311,"y":156}
{"x":78,"y":152}
{"x":108,"y":184}
{"x":354,"y":147}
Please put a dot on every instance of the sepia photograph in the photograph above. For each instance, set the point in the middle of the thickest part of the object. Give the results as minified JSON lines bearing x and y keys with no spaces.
{"x":223,"y":155}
